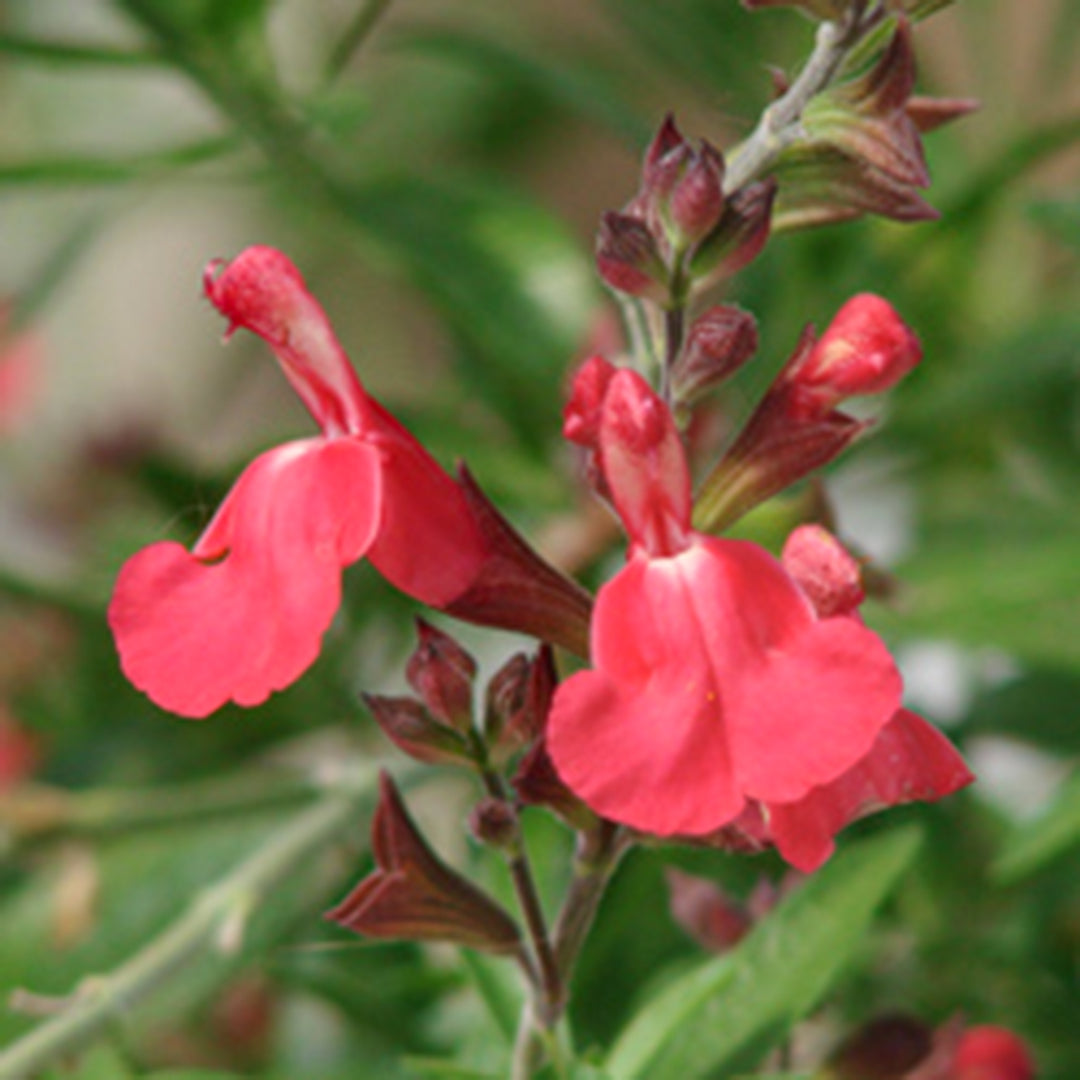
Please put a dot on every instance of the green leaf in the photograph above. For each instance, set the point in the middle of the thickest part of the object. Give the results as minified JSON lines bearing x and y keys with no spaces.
{"x":447,"y":1070}
{"x":509,"y":279}
{"x":728,"y":1010}
{"x":193,"y":1074}
{"x":500,"y":993}
{"x":1036,"y":844}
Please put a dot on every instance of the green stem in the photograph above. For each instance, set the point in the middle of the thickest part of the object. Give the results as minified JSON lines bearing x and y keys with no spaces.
{"x":598,"y":855}
{"x":204,"y":927}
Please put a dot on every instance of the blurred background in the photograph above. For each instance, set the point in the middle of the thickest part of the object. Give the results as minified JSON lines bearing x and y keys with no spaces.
{"x":479,"y":144}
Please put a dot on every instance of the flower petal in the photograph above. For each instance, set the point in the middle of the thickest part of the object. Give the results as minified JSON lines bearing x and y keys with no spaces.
{"x":714,"y":682}
{"x":243,"y":614}
{"x":910,"y":760}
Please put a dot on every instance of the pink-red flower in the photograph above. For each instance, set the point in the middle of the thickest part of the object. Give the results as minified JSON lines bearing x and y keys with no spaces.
{"x":719,"y":690}
{"x":243,"y":613}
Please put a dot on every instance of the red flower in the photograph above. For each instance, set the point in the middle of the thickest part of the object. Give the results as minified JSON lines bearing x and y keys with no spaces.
{"x":715,"y":681}
{"x":243,"y":613}
{"x":991,"y":1053}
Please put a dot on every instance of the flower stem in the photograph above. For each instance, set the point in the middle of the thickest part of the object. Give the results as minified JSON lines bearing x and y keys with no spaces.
{"x":356,"y":33}
{"x":207,"y":925}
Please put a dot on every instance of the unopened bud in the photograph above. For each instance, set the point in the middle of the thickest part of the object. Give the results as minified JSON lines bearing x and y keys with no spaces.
{"x":739,"y":235}
{"x":886,"y":1048}
{"x":442,"y":673}
{"x":867,"y":349}
{"x":697,"y":200}
{"x":523,"y":724}
{"x":719,"y":342}
{"x":413,"y":730}
{"x":507,"y":693}
{"x":825,"y":571}
{"x":495,"y":823}
{"x":628,"y":258}
{"x":992,"y":1053}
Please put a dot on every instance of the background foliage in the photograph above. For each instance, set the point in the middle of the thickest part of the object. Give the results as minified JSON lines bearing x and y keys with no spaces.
{"x":439,"y":180}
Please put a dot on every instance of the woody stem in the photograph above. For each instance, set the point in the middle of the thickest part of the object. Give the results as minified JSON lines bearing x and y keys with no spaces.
{"x":550,"y":998}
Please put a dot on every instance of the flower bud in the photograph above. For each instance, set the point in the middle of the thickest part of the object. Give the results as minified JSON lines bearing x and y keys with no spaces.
{"x":867,"y":118}
{"x":991,"y":1053}
{"x":413,"y":896}
{"x":719,"y":342}
{"x":413,"y":730}
{"x":523,"y":724}
{"x":697,"y":200}
{"x":507,"y":693}
{"x":738,"y":236}
{"x":495,"y":823}
{"x":442,"y":673}
{"x":867,"y":349}
{"x":886,"y":1048}
{"x":628,"y":258}
{"x":824,"y":570}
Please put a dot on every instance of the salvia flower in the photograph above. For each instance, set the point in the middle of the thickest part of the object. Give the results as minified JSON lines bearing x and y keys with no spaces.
{"x":715,"y":683}
{"x":242,"y":614}
{"x":910,"y":760}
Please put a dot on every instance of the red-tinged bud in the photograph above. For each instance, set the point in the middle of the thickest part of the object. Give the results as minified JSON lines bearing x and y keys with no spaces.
{"x":738,"y":237}
{"x":495,"y":823}
{"x":628,"y":258}
{"x":538,"y":784}
{"x":825,"y":571}
{"x":991,"y":1053}
{"x":667,"y":138}
{"x":820,"y":185}
{"x":697,"y":199}
{"x":886,"y":1048}
{"x":519,"y":717}
{"x":719,"y":342}
{"x":713,"y":919}
{"x":867,"y":349}
{"x":442,"y":673}
{"x":516,"y":589}
{"x":413,"y":896}
{"x":507,"y":693}
{"x":414,"y":731}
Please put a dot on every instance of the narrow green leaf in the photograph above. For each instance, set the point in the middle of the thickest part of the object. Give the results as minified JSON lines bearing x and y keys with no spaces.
{"x":1036,"y":844}
{"x":712,"y":1019}
{"x":77,"y":171}
{"x":66,"y":53}
{"x":500,"y":994}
